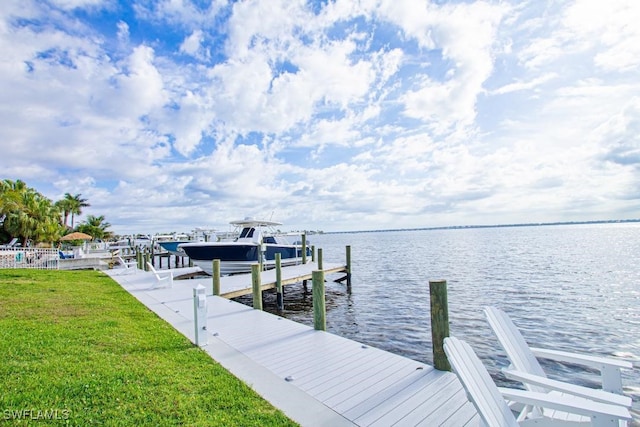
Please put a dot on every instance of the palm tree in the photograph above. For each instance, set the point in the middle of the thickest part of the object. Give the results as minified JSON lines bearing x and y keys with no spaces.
{"x":73,"y":205}
{"x":64,"y":206}
{"x":96,"y":227}
{"x":27,"y":213}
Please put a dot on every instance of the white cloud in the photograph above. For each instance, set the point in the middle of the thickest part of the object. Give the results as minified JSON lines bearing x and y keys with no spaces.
{"x":366,"y":114}
{"x":606,"y":33}
{"x":614,"y":25}
{"x":140,"y":89}
{"x":519,"y":86}
{"x":192,"y":45}
{"x":79,"y":4}
{"x":123,"y":32}
{"x":465,"y":35}
{"x":180,"y":12}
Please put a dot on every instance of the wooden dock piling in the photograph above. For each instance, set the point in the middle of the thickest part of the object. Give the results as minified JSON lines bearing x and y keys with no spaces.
{"x":439,"y":323}
{"x":304,"y":248}
{"x":348,"y":260}
{"x":319,"y":307}
{"x":319,"y":258}
{"x":216,"y":277}
{"x":257,"y":291}
{"x":279,"y":287}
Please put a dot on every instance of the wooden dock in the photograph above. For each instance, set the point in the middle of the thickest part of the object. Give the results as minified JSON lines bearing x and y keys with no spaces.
{"x":240,"y":284}
{"x":315,"y":377}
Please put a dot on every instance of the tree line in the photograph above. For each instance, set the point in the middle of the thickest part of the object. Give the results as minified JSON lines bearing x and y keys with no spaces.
{"x":33,"y":218}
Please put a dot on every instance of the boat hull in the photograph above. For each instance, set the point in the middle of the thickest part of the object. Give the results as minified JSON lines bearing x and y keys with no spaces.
{"x":237,"y":257}
{"x":172,"y":247}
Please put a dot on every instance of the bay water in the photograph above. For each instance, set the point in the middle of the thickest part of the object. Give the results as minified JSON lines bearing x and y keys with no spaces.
{"x":569,"y":287}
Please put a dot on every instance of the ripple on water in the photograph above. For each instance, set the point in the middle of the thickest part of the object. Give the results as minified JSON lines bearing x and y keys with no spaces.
{"x":570,"y":287}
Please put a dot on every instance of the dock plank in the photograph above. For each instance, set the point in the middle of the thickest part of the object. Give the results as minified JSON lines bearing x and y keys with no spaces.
{"x":313,"y":378}
{"x":435,"y":409}
{"x":354,"y":383}
{"x":306,"y":363}
{"x":335,"y":384}
{"x":387,"y":408}
{"x":466,"y":415}
{"x":390,"y":378}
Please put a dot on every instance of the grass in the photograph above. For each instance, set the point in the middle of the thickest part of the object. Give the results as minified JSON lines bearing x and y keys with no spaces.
{"x":76,"y":348}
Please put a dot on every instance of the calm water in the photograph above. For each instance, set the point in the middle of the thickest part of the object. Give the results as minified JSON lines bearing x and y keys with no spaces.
{"x":567,"y":287}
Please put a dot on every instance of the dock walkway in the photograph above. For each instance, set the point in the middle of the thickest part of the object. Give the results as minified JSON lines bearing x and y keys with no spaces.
{"x":240,"y":284}
{"x":315,"y":377}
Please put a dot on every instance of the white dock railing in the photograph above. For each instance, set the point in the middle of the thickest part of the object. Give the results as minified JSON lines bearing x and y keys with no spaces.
{"x":43,"y":259}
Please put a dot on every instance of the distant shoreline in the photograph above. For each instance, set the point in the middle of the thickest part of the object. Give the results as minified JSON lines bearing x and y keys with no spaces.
{"x":463,"y":227}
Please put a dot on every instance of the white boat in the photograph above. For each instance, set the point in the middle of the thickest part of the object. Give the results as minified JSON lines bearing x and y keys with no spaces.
{"x":256,"y":242}
{"x":171,"y":242}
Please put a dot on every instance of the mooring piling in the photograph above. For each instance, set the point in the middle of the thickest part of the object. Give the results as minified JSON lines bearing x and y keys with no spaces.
{"x":439,"y":323}
{"x":279,"y":287}
{"x":348,"y":260}
{"x":255,"y":281}
{"x":216,"y":277}
{"x":304,"y":248}
{"x":319,"y":307}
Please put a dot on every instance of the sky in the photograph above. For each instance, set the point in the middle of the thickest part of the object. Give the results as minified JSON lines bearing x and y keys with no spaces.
{"x":324,"y":115}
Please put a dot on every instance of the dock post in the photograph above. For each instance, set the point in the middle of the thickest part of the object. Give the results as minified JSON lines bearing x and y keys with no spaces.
{"x":320,"y":259}
{"x":216,"y":277}
{"x":304,"y":248}
{"x":319,"y":307}
{"x":279,"y":294}
{"x":255,"y":280}
{"x":153,"y":257}
{"x":146,"y":260}
{"x":439,"y":323}
{"x":348,"y":269}
{"x":139,"y":259}
{"x":313,"y":253}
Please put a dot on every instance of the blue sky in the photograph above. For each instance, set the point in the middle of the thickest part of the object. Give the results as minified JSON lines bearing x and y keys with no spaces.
{"x":334,"y":115}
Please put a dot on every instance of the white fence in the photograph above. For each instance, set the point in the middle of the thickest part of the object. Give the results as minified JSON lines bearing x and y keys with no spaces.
{"x":44,"y":259}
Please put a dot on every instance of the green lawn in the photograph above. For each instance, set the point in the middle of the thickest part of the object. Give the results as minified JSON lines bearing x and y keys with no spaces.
{"x":76,"y":347}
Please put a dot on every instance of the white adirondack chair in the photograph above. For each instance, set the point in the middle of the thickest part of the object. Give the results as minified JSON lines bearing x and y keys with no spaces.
{"x":489,"y":400}
{"x":526,"y":369}
{"x":162,"y":277}
{"x":11,"y":244}
{"x":127,"y":266}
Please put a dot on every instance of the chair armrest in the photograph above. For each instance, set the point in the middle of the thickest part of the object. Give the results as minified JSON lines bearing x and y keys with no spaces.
{"x":596,"y":362}
{"x":575,"y":390}
{"x":571,"y":404}
{"x":609,"y":368}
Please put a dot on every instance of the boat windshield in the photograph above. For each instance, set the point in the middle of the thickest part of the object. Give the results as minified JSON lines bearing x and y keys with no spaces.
{"x":247,"y":232}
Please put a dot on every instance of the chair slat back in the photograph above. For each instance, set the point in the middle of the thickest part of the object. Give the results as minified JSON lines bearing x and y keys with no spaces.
{"x":477,"y":382}
{"x":514,"y":344}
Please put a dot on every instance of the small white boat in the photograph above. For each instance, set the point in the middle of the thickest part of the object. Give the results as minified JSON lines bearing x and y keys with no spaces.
{"x":256,"y":242}
{"x":171,"y":242}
